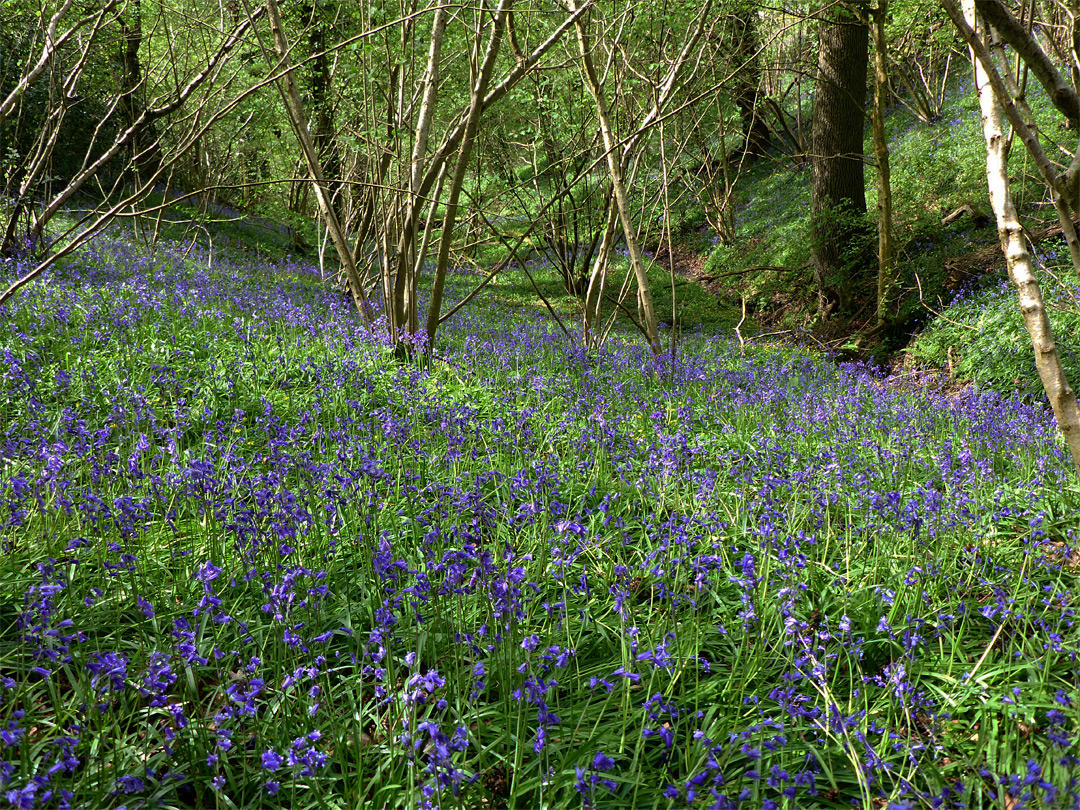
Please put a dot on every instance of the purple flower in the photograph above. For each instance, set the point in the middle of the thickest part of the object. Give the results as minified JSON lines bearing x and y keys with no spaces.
{"x":108,"y":665}
{"x":12,"y":735}
{"x":208,"y":572}
{"x":602,"y":762}
{"x":24,"y":798}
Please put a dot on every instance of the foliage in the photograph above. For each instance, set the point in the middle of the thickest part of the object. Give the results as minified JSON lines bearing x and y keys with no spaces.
{"x":935,"y":169}
{"x":933,"y":174}
{"x":251,"y":561}
{"x":981,"y":337}
{"x":20,"y":39}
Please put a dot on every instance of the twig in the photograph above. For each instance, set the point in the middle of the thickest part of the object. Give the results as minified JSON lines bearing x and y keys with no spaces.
{"x":626,"y":311}
{"x":935,"y":312}
{"x":738,"y":334}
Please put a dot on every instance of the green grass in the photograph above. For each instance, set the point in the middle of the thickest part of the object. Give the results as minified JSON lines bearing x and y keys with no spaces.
{"x":694,"y":310}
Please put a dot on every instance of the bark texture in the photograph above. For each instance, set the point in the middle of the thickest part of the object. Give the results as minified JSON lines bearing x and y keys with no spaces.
{"x":838,"y":194}
{"x":1018,"y":258}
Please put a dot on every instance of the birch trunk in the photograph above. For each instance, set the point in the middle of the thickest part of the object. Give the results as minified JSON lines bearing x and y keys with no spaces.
{"x":1013,"y":244}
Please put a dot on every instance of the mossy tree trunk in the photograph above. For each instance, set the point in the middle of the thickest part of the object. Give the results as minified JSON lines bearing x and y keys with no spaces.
{"x":755,"y":129}
{"x":881,"y":156}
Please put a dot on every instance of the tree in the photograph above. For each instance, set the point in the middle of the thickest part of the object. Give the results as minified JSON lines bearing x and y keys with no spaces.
{"x":755,"y":130}
{"x":144,"y":158}
{"x":618,"y":186}
{"x":178,"y":107}
{"x":838,"y":194}
{"x":998,"y":95}
{"x":620,"y":150}
{"x":561,"y":152}
{"x":881,"y":158}
{"x":409,"y":171}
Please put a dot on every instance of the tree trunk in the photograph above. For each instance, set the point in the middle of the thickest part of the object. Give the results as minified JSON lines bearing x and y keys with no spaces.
{"x":404,"y":313}
{"x":838,"y":195}
{"x":881,"y":153}
{"x":755,"y":129}
{"x":145,"y":147}
{"x":1017,"y":257}
{"x":320,"y":76}
{"x":294,"y":106}
{"x":622,"y":199}
{"x":472,"y":121}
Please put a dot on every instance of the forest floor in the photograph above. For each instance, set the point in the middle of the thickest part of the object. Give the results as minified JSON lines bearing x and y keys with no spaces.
{"x":251,"y":560}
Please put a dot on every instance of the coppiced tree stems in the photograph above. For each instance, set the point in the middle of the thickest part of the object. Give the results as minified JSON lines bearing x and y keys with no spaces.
{"x":425,"y":171}
{"x":615,"y":175}
{"x":618,"y":157}
{"x":298,"y":120}
{"x":476,"y":109}
{"x":404,"y":314}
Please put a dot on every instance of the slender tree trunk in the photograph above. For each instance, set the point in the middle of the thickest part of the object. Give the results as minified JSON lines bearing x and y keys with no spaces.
{"x":405,"y":307}
{"x":838,"y":194}
{"x":322,"y":195}
{"x":476,"y":109}
{"x":1013,"y":244}
{"x":594,"y":291}
{"x":881,"y":153}
{"x":622,"y":199}
{"x":453,"y":139}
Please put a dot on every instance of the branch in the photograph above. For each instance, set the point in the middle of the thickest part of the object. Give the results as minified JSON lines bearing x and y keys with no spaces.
{"x":1030,"y":139}
{"x":1013,"y":32}
{"x":125,"y":137}
{"x":49,"y":49}
{"x":453,"y":139}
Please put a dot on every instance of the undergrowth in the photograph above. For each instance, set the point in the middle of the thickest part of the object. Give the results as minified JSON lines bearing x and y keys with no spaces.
{"x":249,"y":560}
{"x":981,"y":337}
